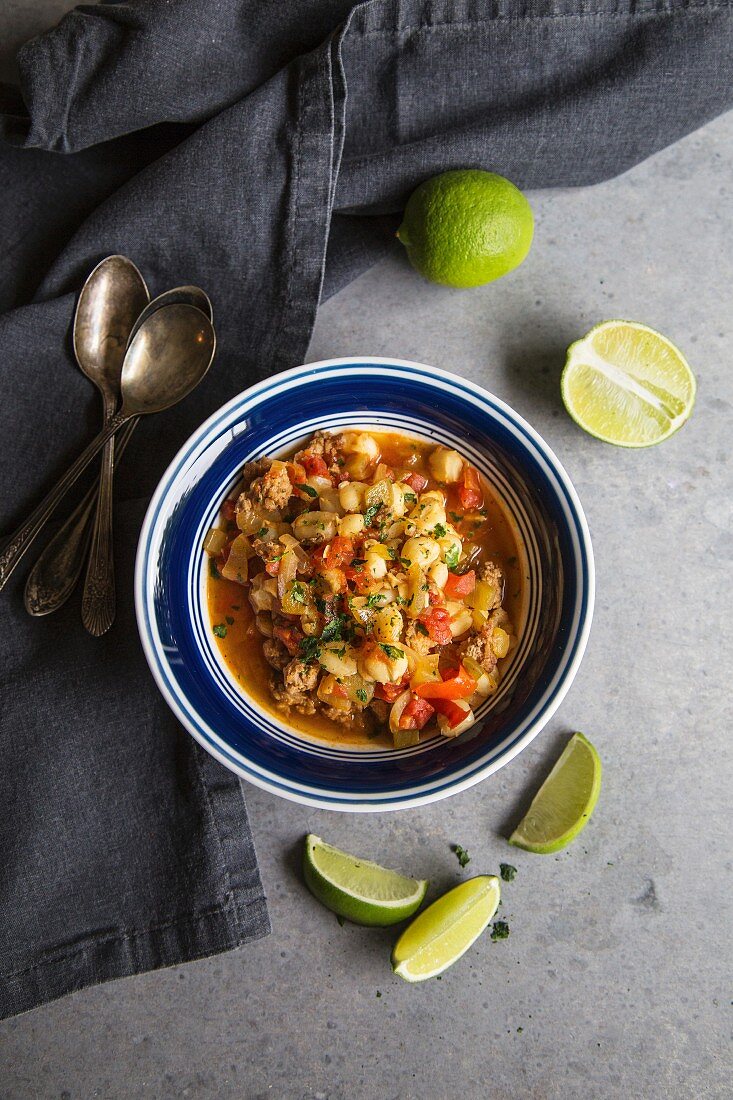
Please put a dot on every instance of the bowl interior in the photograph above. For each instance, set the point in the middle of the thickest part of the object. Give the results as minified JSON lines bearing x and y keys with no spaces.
{"x":272,"y":419}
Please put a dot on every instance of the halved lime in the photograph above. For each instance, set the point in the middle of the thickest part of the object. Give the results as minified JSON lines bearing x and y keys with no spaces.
{"x":626,"y":384}
{"x":446,"y":929}
{"x":564,"y":802}
{"x":357,"y":889}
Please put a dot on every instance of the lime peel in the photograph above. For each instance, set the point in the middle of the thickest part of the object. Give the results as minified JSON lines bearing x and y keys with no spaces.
{"x":358,"y":889}
{"x":564,"y":803}
{"x":626,"y":384}
{"x":443,"y":932}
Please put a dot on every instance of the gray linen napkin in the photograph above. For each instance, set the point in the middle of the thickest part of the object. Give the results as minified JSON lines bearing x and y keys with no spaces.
{"x":262,"y":149}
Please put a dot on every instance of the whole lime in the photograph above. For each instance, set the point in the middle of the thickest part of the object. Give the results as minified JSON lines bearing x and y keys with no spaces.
{"x":466,"y":227}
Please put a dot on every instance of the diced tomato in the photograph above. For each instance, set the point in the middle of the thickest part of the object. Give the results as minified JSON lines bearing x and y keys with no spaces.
{"x":389,"y":692}
{"x":296,"y":473}
{"x":470,"y":494}
{"x":437,"y":622}
{"x":416,"y":481}
{"x":316,"y":557}
{"x":229,"y":510}
{"x":314,"y":465}
{"x":456,"y":587}
{"x":416,"y":714}
{"x":272,"y":567}
{"x":434,"y":596}
{"x":456,"y":684}
{"x":361,"y":580}
{"x":290,"y":637}
{"x":451,"y":710}
{"x":339,"y":552}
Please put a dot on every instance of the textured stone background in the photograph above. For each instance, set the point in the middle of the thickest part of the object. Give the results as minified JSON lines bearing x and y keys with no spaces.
{"x":615,"y":979}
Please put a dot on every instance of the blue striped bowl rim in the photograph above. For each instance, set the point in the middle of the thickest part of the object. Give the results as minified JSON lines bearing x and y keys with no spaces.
{"x":271,"y":417}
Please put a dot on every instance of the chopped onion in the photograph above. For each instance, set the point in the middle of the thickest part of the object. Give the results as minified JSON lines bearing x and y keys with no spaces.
{"x":286,"y":573}
{"x":236,"y":567}
{"x":397,"y":707}
{"x":215,"y":541}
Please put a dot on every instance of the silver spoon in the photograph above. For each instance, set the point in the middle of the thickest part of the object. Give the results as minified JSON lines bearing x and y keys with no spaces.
{"x":168,"y":357}
{"x":109,"y":304}
{"x":53,"y":578}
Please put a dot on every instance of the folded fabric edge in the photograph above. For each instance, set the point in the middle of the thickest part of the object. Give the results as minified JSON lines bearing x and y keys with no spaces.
{"x":129,"y":953}
{"x":239,"y":918}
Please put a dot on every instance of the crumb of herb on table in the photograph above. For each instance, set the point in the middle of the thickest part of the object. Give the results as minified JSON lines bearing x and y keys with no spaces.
{"x":500,"y":930}
{"x":507,"y":872}
{"x":461,"y":854}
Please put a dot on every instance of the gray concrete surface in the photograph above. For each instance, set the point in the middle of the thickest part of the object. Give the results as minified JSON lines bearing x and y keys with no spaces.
{"x":615,"y":980}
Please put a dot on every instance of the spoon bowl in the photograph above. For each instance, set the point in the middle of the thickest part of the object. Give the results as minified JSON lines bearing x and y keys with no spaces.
{"x":179,"y":295}
{"x":167,"y":357}
{"x":110,"y":303}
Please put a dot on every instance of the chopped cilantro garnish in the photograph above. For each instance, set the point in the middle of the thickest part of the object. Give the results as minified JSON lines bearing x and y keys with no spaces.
{"x":512,"y":560}
{"x":361,"y":695}
{"x":500,"y":930}
{"x":213,"y":569}
{"x":308,"y":489}
{"x":507,"y":872}
{"x":357,"y":564}
{"x":392,"y":651}
{"x":406,"y":562}
{"x":421,"y":628}
{"x":310,"y":649}
{"x":320,"y":604}
{"x":230,"y":620}
{"x":461,"y":855}
{"x":336,"y":629}
{"x":452,"y":556}
{"x":371,"y":513}
{"x":410,"y":498}
{"x":220,"y":630}
{"x":375,"y":599}
{"x":455,"y":516}
{"x":440,"y":530}
{"x":261,"y":533}
{"x":297,"y":592}
{"x":425,"y":587}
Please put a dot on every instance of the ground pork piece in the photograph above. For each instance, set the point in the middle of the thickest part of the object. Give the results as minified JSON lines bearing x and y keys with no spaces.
{"x":329,"y":448}
{"x":244,"y":506}
{"x":493,"y":574}
{"x":324,"y":444}
{"x":299,"y":676}
{"x":275,"y":653}
{"x":273,"y":489}
{"x":478,"y":646}
{"x":380,"y":710}
{"x":343,"y":717}
{"x":288,"y":697}
{"x":255,"y":469}
{"x":417,"y":640}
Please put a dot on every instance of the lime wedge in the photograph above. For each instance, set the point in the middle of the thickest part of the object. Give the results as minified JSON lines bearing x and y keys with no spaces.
{"x":446,"y":929}
{"x":564,"y":802}
{"x":357,"y":889}
{"x":626,"y":384}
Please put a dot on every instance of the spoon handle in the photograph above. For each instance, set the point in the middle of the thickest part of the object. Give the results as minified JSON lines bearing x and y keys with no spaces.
{"x":21,"y":539}
{"x":98,"y":599}
{"x":53,"y":578}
